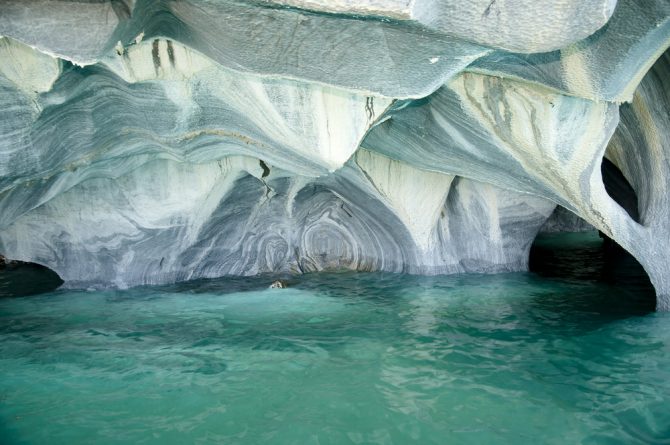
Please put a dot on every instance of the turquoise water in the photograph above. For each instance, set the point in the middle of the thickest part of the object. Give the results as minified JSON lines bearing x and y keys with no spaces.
{"x":339,"y":358}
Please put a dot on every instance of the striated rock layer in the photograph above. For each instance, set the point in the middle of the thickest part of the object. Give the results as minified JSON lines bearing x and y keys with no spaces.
{"x":146,"y":142}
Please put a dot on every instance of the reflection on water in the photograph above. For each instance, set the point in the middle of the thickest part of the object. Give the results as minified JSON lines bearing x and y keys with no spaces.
{"x":339,"y":358}
{"x":582,"y":258}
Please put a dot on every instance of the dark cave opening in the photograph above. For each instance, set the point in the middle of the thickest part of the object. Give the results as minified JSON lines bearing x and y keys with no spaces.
{"x":619,"y":189}
{"x":584,"y":258}
{"x":19,"y":279}
{"x":590,"y":256}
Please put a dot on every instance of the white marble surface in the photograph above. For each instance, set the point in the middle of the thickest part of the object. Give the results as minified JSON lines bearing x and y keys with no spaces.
{"x":154,"y":141}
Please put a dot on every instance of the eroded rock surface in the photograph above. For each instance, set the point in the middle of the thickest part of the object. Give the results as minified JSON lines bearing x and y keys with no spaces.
{"x":146,"y":142}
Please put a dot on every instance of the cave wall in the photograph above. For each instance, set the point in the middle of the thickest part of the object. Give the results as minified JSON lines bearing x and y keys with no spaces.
{"x":146,"y":142}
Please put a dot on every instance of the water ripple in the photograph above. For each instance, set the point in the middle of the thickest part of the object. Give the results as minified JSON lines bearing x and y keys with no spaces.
{"x":335,"y":358}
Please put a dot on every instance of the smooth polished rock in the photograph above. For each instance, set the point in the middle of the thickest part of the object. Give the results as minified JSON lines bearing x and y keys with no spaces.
{"x":527,"y":26}
{"x":189,"y":110}
{"x":508,"y":133}
{"x":608,"y":65}
{"x":369,"y":57}
{"x":170,"y":221}
{"x":178,"y":139}
{"x":527,"y":138}
{"x":30,"y":71}
{"x":640,"y":148}
{"x":563,"y":220}
{"x":76,"y":30}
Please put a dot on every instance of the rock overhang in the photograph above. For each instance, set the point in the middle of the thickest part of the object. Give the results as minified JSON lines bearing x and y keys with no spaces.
{"x":153,"y":141}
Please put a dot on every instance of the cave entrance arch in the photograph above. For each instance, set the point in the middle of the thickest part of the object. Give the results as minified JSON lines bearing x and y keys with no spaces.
{"x":19,"y":279}
{"x":568,"y":248}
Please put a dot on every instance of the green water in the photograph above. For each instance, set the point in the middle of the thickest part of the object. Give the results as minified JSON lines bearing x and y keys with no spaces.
{"x":337,"y":359}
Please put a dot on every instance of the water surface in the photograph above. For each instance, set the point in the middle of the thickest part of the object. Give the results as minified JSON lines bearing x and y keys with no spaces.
{"x":339,"y":358}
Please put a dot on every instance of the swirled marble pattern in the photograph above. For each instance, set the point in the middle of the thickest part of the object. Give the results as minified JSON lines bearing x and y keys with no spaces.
{"x":218,"y":219}
{"x":608,"y":65}
{"x":155,"y":141}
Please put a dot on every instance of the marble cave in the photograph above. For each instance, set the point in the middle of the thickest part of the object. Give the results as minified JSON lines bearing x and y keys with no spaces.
{"x":155,"y":141}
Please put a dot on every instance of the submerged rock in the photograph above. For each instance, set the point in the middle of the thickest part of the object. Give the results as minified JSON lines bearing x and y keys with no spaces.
{"x":141,"y":142}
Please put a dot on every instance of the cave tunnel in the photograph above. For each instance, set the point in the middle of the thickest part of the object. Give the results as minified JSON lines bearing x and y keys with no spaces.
{"x":568,"y":248}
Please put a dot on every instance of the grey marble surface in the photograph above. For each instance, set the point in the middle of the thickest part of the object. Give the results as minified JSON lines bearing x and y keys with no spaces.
{"x":147,"y":142}
{"x":608,"y":65}
{"x":563,"y":220}
{"x":527,"y":26}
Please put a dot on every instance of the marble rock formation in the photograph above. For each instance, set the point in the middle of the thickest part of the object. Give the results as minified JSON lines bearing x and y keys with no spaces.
{"x":151,"y":141}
